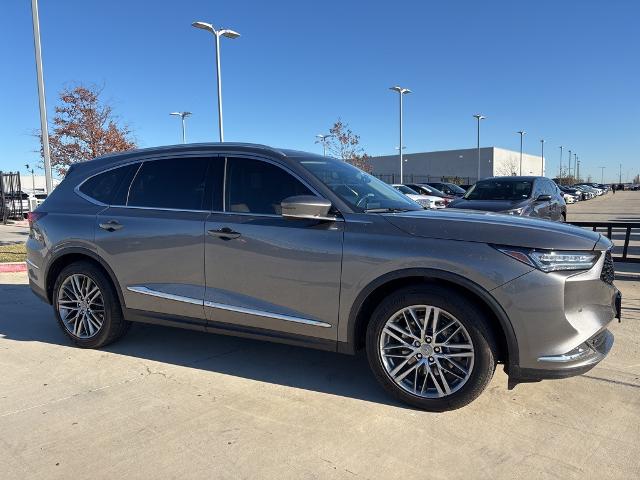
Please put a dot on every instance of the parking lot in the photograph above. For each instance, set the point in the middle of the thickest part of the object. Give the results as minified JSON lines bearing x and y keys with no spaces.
{"x":166,"y":403}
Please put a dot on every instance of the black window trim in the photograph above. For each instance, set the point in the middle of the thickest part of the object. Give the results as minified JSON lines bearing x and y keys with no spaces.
{"x":224,"y":155}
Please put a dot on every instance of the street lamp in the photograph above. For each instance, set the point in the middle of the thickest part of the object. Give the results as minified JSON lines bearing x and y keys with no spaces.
{"x":401,"y":92}
{"x":323,"y":140}
{"x":602,"y":175}
{"x":224,"y":32}
{"x":560,"y":165}
{"x":542,"y":145}
{"x":182,"y":116}
{"x":33,"y":178}
{"x":569,"y":166}
{"x":575,"y":166}
{"x":522,"y":134}
{"x":479,"y":117}
{"x":44,"y":132}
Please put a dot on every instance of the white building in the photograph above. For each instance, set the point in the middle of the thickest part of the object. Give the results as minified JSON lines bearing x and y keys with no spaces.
{"x":461,"y":165}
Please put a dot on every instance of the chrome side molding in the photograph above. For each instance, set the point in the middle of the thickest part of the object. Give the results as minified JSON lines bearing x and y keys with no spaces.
{"x":221,"y":306}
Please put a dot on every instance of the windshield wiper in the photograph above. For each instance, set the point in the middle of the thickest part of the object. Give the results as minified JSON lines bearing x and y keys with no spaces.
{"x":388,"y":210}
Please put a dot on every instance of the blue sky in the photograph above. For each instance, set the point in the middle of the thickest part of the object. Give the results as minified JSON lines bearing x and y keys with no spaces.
{"x":568,"y":71}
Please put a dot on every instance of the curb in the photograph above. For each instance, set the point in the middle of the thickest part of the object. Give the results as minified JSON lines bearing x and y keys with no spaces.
{"x":13,"y":267}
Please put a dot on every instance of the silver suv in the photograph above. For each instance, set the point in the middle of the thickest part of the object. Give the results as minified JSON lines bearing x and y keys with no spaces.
{"x":292,"y":247}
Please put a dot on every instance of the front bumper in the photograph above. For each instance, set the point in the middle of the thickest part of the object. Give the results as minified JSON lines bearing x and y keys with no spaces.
{"x":560,"y":322}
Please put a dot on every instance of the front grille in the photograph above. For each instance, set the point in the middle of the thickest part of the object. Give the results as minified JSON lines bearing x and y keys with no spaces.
{"x":608,"y":274}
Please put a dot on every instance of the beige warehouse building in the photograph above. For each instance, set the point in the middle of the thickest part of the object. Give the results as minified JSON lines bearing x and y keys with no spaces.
{"x":457,"y":165}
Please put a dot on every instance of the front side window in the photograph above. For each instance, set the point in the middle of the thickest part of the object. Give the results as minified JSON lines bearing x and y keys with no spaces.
{"x":358,"y":189}
{"x":255,"y":186}
{"x":176,"y":183}
{"x":500,"y":190}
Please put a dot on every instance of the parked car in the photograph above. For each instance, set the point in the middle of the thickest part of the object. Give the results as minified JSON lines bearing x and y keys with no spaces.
{"x":568,"y":198}
{"x":303,"y":249}
{"x":593,"y":187}
{"x":36,"y":199}
{"x":577,"y":194}
{"x":424,"y":189}
{"x":589,"y":193}
{"x":426,"y":201}
{"x":448,"y":188}
{"x":522,"y":196}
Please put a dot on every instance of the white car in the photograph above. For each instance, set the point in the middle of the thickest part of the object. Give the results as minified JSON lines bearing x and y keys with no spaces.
{"x":568,"y":198}
{"x":426,"y":201}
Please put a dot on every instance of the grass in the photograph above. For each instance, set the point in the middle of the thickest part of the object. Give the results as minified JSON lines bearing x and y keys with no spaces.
{"x":16,"y":252}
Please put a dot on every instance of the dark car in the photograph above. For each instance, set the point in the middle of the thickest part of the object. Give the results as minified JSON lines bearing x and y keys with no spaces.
{"x":573,"y":191}
{"x":448,"y":188}
{"x":425,"y":189}
{"x":523,"y":196}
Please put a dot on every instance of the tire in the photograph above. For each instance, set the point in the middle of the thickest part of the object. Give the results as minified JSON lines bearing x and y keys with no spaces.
{"x":89,"y":334}
{"x":474,"y":338}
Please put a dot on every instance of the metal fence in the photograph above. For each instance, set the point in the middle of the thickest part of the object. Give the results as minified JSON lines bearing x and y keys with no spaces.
{"x":628,"y":233}
{"x":415,"y":178}
{"x":11,"y":204}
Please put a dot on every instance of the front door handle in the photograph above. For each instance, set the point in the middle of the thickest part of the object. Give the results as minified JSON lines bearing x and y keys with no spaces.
{"x":225,"y":233}
{"x":111,"y":226}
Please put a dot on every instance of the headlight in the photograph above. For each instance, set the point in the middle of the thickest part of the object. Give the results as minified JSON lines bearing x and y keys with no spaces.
{"x":514,"y":211}
{"x":552,"y":260}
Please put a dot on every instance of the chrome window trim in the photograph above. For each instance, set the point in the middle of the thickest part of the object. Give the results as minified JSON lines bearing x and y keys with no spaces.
{"x":221,"y":306}
{"x":261,"y":313}
{"x":164,"y":209}
{"x":167,"y":296}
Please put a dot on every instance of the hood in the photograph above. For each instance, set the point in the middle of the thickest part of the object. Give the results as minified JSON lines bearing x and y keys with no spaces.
{"x":486,"y":205}
{"x":486,"y":227}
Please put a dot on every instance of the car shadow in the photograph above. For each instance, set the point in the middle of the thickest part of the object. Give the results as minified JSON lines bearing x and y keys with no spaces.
{"x":25,"y":318}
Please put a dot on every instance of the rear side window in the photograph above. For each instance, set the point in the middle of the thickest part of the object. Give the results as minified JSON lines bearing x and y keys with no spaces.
{"x":254,"y":186}
{"x":177,"y":183}
{"x":102,"y":187}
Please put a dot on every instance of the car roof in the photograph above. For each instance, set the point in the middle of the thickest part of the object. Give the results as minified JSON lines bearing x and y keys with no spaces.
{"x":180,"y":149}
{"x":522,"y":178}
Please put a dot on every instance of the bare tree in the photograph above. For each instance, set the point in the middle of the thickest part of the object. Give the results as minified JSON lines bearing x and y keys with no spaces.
{"x":84,"y":128}
{"x":508,"y":168}
{"x":345,"y":144}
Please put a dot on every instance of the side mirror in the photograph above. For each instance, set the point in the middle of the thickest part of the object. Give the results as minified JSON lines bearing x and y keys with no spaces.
{"x":306,"y":206}
{"x":543,"y":198}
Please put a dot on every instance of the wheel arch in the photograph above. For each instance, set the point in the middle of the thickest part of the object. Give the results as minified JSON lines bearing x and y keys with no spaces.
{"x":70,"y":255}
{"x":374,"y":292}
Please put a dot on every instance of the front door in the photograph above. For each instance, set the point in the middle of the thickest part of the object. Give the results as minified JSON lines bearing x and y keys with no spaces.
{"x":153,"y":238}
{"x":264,"y":271}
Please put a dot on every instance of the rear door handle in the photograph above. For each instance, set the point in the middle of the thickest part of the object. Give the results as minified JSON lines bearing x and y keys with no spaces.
{"x":111,"y":226}
{"x":225,"y":233}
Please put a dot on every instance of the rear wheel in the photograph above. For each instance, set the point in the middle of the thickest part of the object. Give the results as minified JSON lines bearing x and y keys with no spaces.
{"x":87,"y":307}
{"x":431,"y":348}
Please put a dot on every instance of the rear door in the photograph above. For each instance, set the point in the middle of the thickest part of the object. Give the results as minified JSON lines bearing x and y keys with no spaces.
{"x":152,"y":237}
{"x":264,"y":271}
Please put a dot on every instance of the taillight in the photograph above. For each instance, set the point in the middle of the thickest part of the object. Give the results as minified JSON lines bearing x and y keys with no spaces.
{"x":33,"y":217}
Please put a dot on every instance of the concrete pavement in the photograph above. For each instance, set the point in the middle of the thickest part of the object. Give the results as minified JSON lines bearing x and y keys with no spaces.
{"x":165,"y":403}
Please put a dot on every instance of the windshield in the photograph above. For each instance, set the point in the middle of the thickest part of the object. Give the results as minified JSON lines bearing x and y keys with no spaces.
{"x":356,"y":188}
{"x":500,"y":190}
{"x":406,"y":190}
{"x":455,"y":188}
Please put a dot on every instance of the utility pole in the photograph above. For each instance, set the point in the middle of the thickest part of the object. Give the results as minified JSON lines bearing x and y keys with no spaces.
{"x":569,"y":165}
{"x":620,"y":178}
{"x":522,"y":134}
{"x":44,"y":131}
{"x":560,"y":165}
{"x":602,"y":175}
{"x":578,"y":169}
{"x":542,"y":145}
{"x":479,"y":117}
{"x":575,"y":168}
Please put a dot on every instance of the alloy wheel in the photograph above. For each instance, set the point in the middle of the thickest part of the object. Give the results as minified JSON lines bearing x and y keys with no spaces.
{"x":81,"y":306}
{"x":426,"y":351}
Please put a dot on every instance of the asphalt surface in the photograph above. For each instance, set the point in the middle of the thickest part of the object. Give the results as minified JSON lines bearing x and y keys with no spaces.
{"x":165,"y":403}
{"x":13,"y":232}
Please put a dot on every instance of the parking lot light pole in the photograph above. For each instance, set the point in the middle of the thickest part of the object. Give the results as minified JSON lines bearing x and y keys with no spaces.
{"x":542,"y":145}
{"x":401,"y":92}
{"x":575,"y":168}
{"x":182,"y":116}
{"x":560,"y":165}
{"x":602,"y":175}
{"x":569,"y":166}
{"x":44,"y":131}
{"x":522,"y":134}
{"x":479,"y":117}
{"x":224,"y":32}
{"x":323,"y":140}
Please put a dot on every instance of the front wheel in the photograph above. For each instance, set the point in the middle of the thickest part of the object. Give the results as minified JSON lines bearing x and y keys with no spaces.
{"x":430,"y":347}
